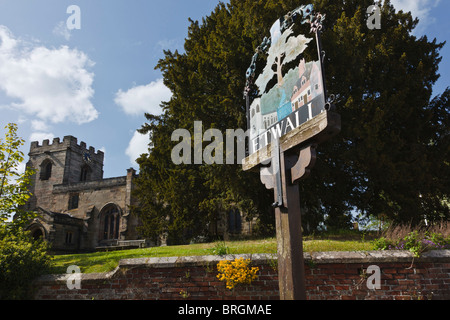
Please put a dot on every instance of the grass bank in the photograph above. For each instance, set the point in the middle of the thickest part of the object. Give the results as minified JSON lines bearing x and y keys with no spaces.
{"x":107,"y":261}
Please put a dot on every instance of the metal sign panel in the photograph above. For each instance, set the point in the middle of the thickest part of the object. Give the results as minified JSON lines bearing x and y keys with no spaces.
{"x":284,"y":100}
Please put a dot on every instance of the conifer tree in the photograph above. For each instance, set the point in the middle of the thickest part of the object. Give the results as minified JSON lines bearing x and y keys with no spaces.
{"x":390,"y":159}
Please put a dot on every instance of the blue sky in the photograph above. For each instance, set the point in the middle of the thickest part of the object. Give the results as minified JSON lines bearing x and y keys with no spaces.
{"x":96,"y":82}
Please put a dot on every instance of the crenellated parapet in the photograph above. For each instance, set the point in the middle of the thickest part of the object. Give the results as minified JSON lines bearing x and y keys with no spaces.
{"x":68,"y":143}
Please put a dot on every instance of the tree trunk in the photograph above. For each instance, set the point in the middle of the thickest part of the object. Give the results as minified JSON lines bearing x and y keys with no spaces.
{"x":279,"y":71}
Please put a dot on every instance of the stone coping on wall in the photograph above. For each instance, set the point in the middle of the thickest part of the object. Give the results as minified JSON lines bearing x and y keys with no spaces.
{"x":90,"y":185}
{"x":355,"y":257}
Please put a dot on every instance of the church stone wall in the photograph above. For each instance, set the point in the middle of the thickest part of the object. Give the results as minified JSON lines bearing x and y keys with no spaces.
{"x":75,"y":193}
{"x":92,"y":193}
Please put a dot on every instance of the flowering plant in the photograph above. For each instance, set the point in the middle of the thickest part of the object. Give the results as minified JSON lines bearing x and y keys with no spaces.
{"x":236,"y":272}
{"x":414,"y":242}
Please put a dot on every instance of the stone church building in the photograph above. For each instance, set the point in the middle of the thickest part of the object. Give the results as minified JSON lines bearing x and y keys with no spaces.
{"x":78,"y":210}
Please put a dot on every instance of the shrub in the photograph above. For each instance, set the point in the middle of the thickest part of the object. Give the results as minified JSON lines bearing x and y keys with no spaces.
{"x":417,"y":241}
{"x":382,"y":244}
{"x":220,"y":249}
{"x":22,"y":260}
{"x":236,"y":272}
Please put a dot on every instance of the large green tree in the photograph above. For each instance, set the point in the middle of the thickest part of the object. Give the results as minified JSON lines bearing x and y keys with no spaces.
{"x":390,"y":159}
{"x":394,"y":141}
{"x":13,"y":183}
{"x":22,"y":258}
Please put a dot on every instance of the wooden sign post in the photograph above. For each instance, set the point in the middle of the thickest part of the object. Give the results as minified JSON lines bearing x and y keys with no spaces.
{"x":296,"y":162}
{"x":287,"y":159}
{"x":288,"y":222}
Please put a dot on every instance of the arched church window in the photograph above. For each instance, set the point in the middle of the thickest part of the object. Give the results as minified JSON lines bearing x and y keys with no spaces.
{"x":38,"y":234}
{"x":46,"y":170}
{"x":110,"y":219}
{"x":234,"y":221}
{"x":37,"y":231}
{"x":73,"y":201}
{"x":85,"y":173}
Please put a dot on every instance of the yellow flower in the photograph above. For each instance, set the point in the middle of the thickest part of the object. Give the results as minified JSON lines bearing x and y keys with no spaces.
{"x":236,"y":272}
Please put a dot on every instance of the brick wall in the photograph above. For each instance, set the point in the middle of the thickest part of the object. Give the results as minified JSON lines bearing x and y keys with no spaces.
{"x":329,"y":276}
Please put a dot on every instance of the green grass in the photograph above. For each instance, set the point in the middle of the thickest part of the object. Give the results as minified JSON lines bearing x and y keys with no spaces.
{"x":107,"y":261}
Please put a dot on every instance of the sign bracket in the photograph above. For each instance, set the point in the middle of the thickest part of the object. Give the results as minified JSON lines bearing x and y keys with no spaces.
{"x":276,"y":165}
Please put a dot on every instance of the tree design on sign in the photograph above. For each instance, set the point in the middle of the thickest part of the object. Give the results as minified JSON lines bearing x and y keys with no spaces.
{"x":285,"y":49}
{"x":298,"y":94}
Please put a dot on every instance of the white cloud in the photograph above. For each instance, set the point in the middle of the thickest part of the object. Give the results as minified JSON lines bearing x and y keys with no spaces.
{"x":21,"y":167}
{"x":51,"y":84}
{"x":41,"y":136}
{"x":137,"y":146}
{"x":144,"y":99}
{"x":41,"y":131}
{"x":62,"y":31}
{"x":418,"y":8}
{"x":39,"y":125}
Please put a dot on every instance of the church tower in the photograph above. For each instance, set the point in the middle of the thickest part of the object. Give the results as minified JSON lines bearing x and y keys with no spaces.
{"x":77,"y":209}
{"x":61,"y":163}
